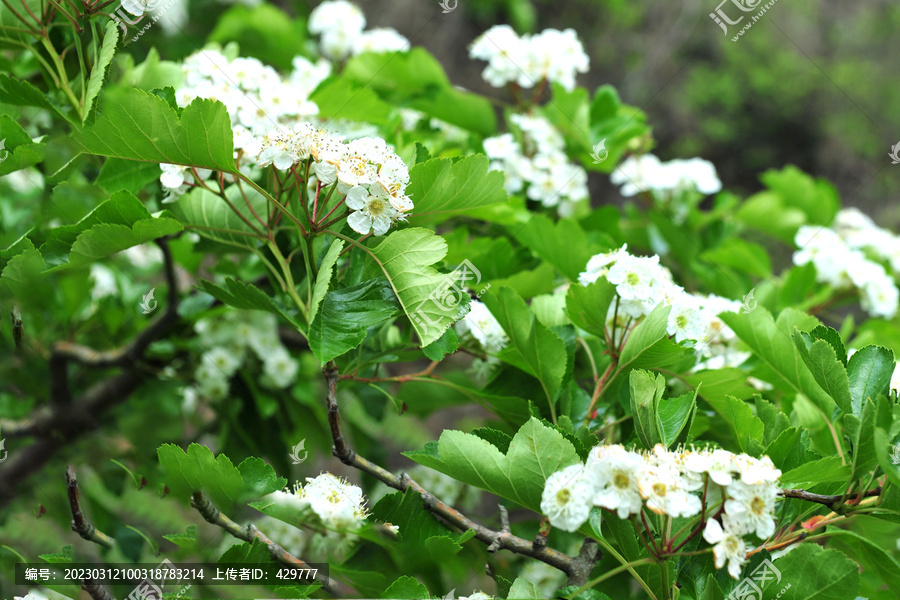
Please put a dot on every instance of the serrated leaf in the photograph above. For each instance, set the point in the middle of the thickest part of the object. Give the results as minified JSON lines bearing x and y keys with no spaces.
{"x":826,"y":367}
{"x":441,"y":347}
{"x":105,"y":239}
{"x":770,"y":341}
{"x":441,"y":187}
{"x":522,"y":589}
{"x":430,"y":300}
{"x":129,"y":175}
{"x":98,"y":72}
{"x":141,"y":126}
{"x":19,"y":150}
{"x":245,"y":296}
{"x":861,"y":432}
{"x":869,"y":373}
{"x":538,"y":348}
{"x":563,"y":244}
{"x":587,"y":307}
{"x":210,"y":216}
{"x":346,"y":315}
{"x":747,"y":428}
{"x":22,"y":93}
{"x":406,"y":587}
{"x":817,"y":574}
{"x":535,"y":453}
{"x":823,"y":470}
{"x":646,"y":390}
{"x":675,"y":417}
{"x":648,"y":344}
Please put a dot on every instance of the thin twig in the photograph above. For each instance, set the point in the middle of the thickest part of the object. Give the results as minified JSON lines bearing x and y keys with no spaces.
{"x":79,"y":525}
{"x":212,"y":515}
{"x":829,"y":501}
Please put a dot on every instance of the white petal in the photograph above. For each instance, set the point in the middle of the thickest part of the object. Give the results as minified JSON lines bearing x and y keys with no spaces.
{"x":356,"y":198}
{"x":360,"y":222}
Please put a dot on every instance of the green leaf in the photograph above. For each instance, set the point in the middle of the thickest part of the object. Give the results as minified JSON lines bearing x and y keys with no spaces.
{"x":564,"y":244}
{"x":823,"y":470}
{"x":210,"y":216}
{"x":245,"y":296}
{"x":198,"y":470}
{"x":774,"y":419}
{"x":345,"y":316}
{"x":188,"y":539}
{"x":441,"y":186}
{"x":339,"y":98}
{"x":522,"y":589}
{"x":326,"y":271}
{"x":17,"y":148}
{"x":457,"y":107}
{"x":716,"y":385}
{"x":747,"y":428}
{"x":535,"y":453}
{"x":861,"y":433}
{"x":444,"y":345}
{"x":771,"y":342}
{"x":430,"y":300}
{"x":870,"y":555}
{"x":826,"y":367}
{"x":869,"y":371}
{"x":21,"y":93}
{"x":646,"y":391}
{"x":105,"y":239}
{"x":535,"y":346}
{"x":816,"y":574}
{"x":129,"y":175}
{"x":587,"y":306}
{"x":141,"y":126}
{"x":259,"y":477}
{"x":98,"y":72}
{"x":741,"y":255}
{"x":406,"y":587}
{"x":675,"y":417}
{"x":649,"y":345}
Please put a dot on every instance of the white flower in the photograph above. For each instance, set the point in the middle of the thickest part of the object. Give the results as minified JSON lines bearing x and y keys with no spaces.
{"x":380,"y":39}
{"x":338,"y":504}
{"x":598,"y":265}
{"x":223,"y":360}
{"x":665,"y":492}
{"x":751,"y":508}
{"x":718,"y":464}
{"x":756,"y":471}
{"x":686,"y":319}
{"x":615,"y":472}
{"x":728,"y":546}
{"x":212,"y":383}
{"x":279,"y":369}
{"x":371,"y":213}
{"x":567,"y":497}
{"x":104,"y":281}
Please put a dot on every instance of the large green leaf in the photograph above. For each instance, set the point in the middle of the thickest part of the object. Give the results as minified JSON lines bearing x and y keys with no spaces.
{"x":536,"y":452}
{"x":136,"y":125}
{"x":431,"y":300}
{"x":587,"y":306}
{"x":246,"y":296}
{"x":211,"y":216}
{"x":861,"y":434}
{"x":538,"y":349}
{"x":130,"y":175}
{"x":227,"y":485}
{"x":345,"y":316}
{"x":18,"y":149}
{"x":323,"y":281}
{"x":563,"y":244}
{"x":815,"y":574}
{"x":522,"y":589}
{"x":646,"y":391}
{"x":716,"y":385}
{"x":406,"y":587}
{"x":869,"y":372}
{"x":826,"y":367}
{"x":441,"y":186}
{"x":823,"y":470}
{"x":745,"y":426}
{"x":649,"y":346}
{"x":22,"y":93}
{"x":771,"y":342}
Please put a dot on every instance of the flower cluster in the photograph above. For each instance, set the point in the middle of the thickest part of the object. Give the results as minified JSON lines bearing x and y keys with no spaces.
{"x":340,"y":25}
{"x":642,"y":284}
{"x":645,"y":173}
{"x":840,"y":259}
{"x":371,"y":176}
{"x":739,"y":492}
{"x":339,"y":505}
{"x":538,"y":164}
{"x":240,"y":340}
{"x":483,"y":326}
{"x":552,"y":55}
{"x":257,"y":99}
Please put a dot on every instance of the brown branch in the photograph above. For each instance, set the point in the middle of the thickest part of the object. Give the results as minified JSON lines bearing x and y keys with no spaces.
{"x":79,"y":525}
{"x":498,"y":540}
{"x":585,"y":562}
{"x":829,"y":501}
{"x":61,"y":422}
{"x":95,"y":591}
{"x":212,"y":515}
